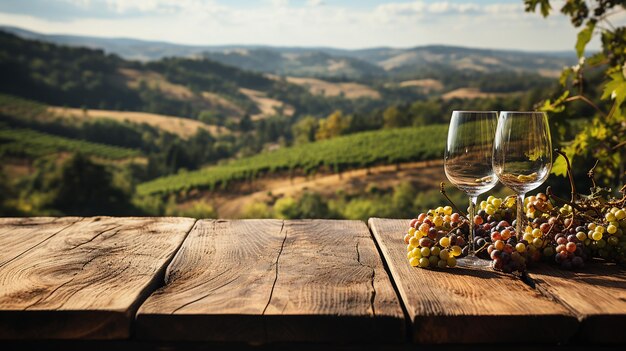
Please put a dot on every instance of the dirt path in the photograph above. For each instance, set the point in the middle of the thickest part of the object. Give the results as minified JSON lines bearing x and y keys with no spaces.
{"x":427,"y":174}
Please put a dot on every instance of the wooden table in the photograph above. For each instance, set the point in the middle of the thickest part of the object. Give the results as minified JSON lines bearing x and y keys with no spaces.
{"x":155,"y":283}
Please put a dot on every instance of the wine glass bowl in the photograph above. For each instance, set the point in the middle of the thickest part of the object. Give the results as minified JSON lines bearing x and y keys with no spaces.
{"x":468,"y":158}
{"x":522,"y":154}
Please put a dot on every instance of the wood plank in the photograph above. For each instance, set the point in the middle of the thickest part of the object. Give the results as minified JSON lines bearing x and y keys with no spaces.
{"x":259,"y":281}
{"x":83,"y":281}
{"x":596,"y":294}
{"x":20,"y":235}
{"x":463,"y":305}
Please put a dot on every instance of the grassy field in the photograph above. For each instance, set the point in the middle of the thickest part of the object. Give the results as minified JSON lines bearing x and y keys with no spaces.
{"x":29,"y":143}
{"x":266,"y":105}
{"x":348,"y":90}
{"x":336,"y":155}
{"x":24,"y":109}
{"x":183,"y":127}
{"x":471,"y":93}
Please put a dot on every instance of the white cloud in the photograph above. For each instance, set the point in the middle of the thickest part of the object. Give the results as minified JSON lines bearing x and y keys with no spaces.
{"x":280,"y":3}
{"x":272,"y":22}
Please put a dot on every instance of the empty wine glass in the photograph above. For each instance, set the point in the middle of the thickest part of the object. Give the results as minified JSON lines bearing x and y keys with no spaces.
{"x":522,"y":154}
{"x":468,"y":161}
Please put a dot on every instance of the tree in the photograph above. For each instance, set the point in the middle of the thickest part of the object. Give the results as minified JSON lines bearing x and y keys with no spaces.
{"x":604,"y":137}
{"x":86,"y":188}
{"x":333,"y":126}
{"x":304,"y":130}
{"x":393,"y":118}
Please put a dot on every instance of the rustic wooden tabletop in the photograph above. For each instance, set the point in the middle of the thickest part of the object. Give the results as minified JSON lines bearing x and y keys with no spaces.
{"x":180,"y":281}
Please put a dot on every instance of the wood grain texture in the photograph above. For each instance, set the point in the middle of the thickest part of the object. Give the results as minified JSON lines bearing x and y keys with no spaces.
{"x":596,"y":294}
{"x":82,"y":280}
{"x":259,"y":281}
{"x":462,"y":305}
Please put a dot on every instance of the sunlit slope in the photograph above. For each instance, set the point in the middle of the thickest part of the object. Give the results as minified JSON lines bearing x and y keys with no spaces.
{"x":347,"y":152}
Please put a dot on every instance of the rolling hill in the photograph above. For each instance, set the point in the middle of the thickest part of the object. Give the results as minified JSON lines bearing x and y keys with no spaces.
{"x":335,"y":155}
{"x":322,"y":62}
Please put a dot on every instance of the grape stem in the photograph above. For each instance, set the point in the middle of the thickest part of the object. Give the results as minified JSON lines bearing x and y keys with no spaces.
{"x":575,"y":206}
{"x":591,"y":174}
{"x":586,"y":100}
{"x":569,"y":174}
{"x":552,"y":227}
{"x":442,"y":190}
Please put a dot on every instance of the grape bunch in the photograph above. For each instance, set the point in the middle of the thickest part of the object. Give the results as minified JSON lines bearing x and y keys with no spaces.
{"x":496,"y":238}
{"x":567,"y":233}
{"x":574,"y":233}
{"x":432,"y":240}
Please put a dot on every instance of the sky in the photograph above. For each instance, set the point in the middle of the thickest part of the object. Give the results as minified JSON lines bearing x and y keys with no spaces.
{"x":346,"y":24}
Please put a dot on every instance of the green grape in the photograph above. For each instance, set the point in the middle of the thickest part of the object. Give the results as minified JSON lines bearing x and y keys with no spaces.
{"x":435,"y":251}
{"x":596,"y":236}
{"x":456,"y":250}
{"x":433,"y":260}
{"x":444,"y":254}
{"x":424,"y":262}
{"x":445,"y":241}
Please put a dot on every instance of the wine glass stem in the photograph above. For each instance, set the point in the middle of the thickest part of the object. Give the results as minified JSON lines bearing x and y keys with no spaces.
{"x":519,"y":227}
{"x":471,"y":214}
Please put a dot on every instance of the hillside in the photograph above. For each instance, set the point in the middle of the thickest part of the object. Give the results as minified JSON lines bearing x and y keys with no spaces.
{"x":335,"y":155}
{"x":391,"y":63}
{"x":89,"y":78}
{"x":19,"y":143}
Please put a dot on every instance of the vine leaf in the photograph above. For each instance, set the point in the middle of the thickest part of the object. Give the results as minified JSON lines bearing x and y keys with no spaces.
{"x":615,"y":89}
{"x":584,"y":36}
{"x":531,"y":5}
{"x":555,"y":106}
{"x":565,"y":76}
{"x":559,"y":166}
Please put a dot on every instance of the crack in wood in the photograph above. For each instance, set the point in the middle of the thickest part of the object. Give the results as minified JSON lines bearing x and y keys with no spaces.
{"x":373,"y":292}
{"x":204,"y":296}
{"x":96,"y":236}
{"x":282,"y":246}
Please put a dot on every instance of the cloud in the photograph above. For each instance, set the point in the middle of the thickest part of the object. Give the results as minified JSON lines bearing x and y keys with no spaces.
{"x":303,"y":23}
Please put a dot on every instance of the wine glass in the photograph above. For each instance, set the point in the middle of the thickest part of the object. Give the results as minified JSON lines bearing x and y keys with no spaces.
{"x":468,"y":161}
{"x":522,"y":154}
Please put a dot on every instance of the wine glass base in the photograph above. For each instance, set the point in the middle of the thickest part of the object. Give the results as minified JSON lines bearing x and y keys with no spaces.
{"x":472,"y":261}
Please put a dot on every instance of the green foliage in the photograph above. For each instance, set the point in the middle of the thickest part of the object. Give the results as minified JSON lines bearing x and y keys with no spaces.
{"x":197,"y":209}
{"x":602,"y":138}
{"x":393,"y":118}
{"x":615,"y":89}
{"x":86,"y":188}
{"x":362,"y":209}
{"x":29,"y":143}
{"x":286,"y":208}
{"x":77,"y":186}
{"x":544,"y":5}
{"x":584,"y":36}
{"x":351,"y":151}
{"x":256,"y":210}
{"x":332,"y":126}
{"x":304,"y":130}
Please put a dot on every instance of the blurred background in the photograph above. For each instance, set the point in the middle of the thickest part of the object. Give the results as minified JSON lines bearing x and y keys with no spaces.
{"x":289,"y":109}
